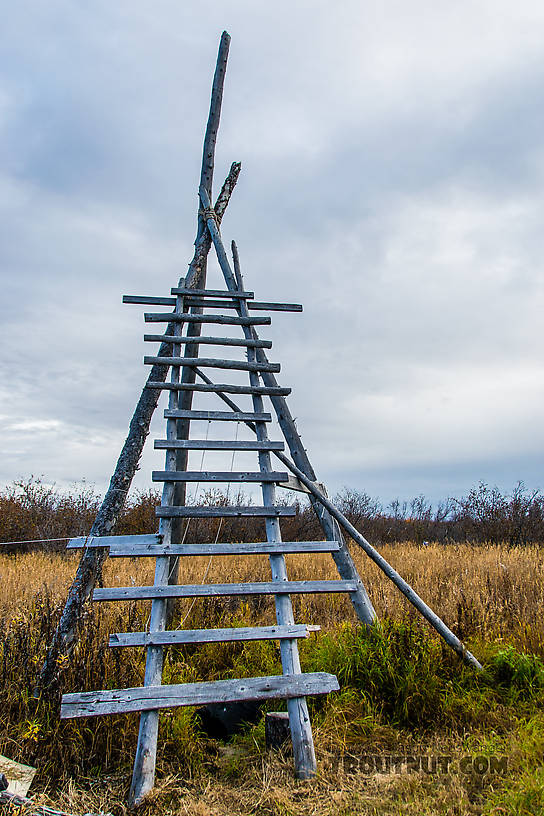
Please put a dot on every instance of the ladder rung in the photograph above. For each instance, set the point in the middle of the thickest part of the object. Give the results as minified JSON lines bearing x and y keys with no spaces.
{"x":217,"y":444}
{"x":149,"y":300}
{"x":216,"y":293}
{"x":208,"y":590}
{"x":275,"y":307}
{"x":225,"y":388}
{"x":242,"y":633}
{"x":225,"y":512}
{"x":223,"y":320}
{"x":209,"y":362}
{"x":148,"y":698}
{"x":111,"y":541}
{"x":128,"y":550}
{"x":213,"y":304}
{"x":222,"y":416}
{"x":217,"y":476}
{"x":204,"y":340}
{"x":230,"y":304}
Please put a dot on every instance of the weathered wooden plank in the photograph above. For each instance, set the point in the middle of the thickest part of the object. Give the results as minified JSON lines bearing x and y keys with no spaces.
{"x":226,"y":512}
{"x":215,"y":293}
{"x":222,"y":320}
{"x":205,"y":340}
{"x":216,"y":476}
{"x":224,"y":388}
{"x":217,"y":444}
{"x":221,"y":416}
{"x":225,"y":590}
{"x":119,"y":701}
{"x":224,"y":548}
{"x":179,"y":636}
{"x":275,"y":307}
{"x":231,"y":304}
{"x":210,"y":362}
{"x":109,"y":541}
{"x":150,"y":300}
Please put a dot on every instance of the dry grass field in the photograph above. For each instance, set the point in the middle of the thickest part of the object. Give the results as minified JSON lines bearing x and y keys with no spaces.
{"x":402,"y":693}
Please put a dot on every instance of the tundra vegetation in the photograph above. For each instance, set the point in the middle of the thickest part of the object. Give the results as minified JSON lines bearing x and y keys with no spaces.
{"x":478,"y":561}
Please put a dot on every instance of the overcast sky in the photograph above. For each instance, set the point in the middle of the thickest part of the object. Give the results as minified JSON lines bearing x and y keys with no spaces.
{"x":392,"y":182}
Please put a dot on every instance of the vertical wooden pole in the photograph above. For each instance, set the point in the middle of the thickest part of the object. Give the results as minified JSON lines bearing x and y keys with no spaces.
{"x":196,"y":278}
{"x":299,"y":718}
{"x":143,"y":775}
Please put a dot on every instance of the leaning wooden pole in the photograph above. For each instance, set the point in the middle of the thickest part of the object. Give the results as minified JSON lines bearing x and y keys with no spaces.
{"x":312,"y":487}
{"x":343,"y":560}
{"x":89,"y":569}
{"x":198,"y":276}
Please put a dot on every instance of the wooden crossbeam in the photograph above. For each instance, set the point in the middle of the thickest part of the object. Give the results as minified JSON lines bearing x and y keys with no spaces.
{"x":205,"y":340}
{"x":127,"y":549}
{"x":216,"y":293}
{"x":150,"y":300}
{"x":210,"y":362}
{"x":222,"y":320}
{"x":224,"y":590}
{"x":225,"y":512}
{"x":117,"y":701}
{"x":221,"y":416}
{"x":219,"y":388}
{"x":217,"y":444}
{"x":111,"y":540}
{"x":217,"y":476}
{"x":181,"y":636}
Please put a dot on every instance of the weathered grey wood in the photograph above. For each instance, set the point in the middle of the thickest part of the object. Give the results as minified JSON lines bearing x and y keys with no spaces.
{"x":299,"y":718}
{"x":221,"y":416}
{"x":292,"y":483}
{"x":179,"y":636}
{"x":225,"y":388}
{"x":252,"y":305}
{"x":89,"y":569}
{"x":436,"y":622}
{"x":210,"y":362}
{"x":109,"y":541}
{"x":215,"y":293}
{"x":150,"y":300}
{"x":205,"y":340}
{"x":226,"y":512}
{"x":144,"y":765}
{"x":217,"y":444}
{"x":222,"y":320}
{"x":215,"y":476}
{"x":223,"y":548}
{"x":226,"y":590}
{"x":213,"y":304}
{"x":119,"y":701}
{"x":275,"y":307}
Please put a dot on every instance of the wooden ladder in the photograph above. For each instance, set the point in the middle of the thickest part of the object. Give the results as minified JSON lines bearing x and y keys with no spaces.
{"x":293,"y":685}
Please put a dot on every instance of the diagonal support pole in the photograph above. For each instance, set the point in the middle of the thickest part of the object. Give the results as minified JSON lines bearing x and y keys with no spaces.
{"x":314,"y":489}
{"x":343,"y":560}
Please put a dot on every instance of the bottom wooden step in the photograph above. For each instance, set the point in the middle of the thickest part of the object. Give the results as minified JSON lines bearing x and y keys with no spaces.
{"x":148,"y":698}
{"x":175,"y":637}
